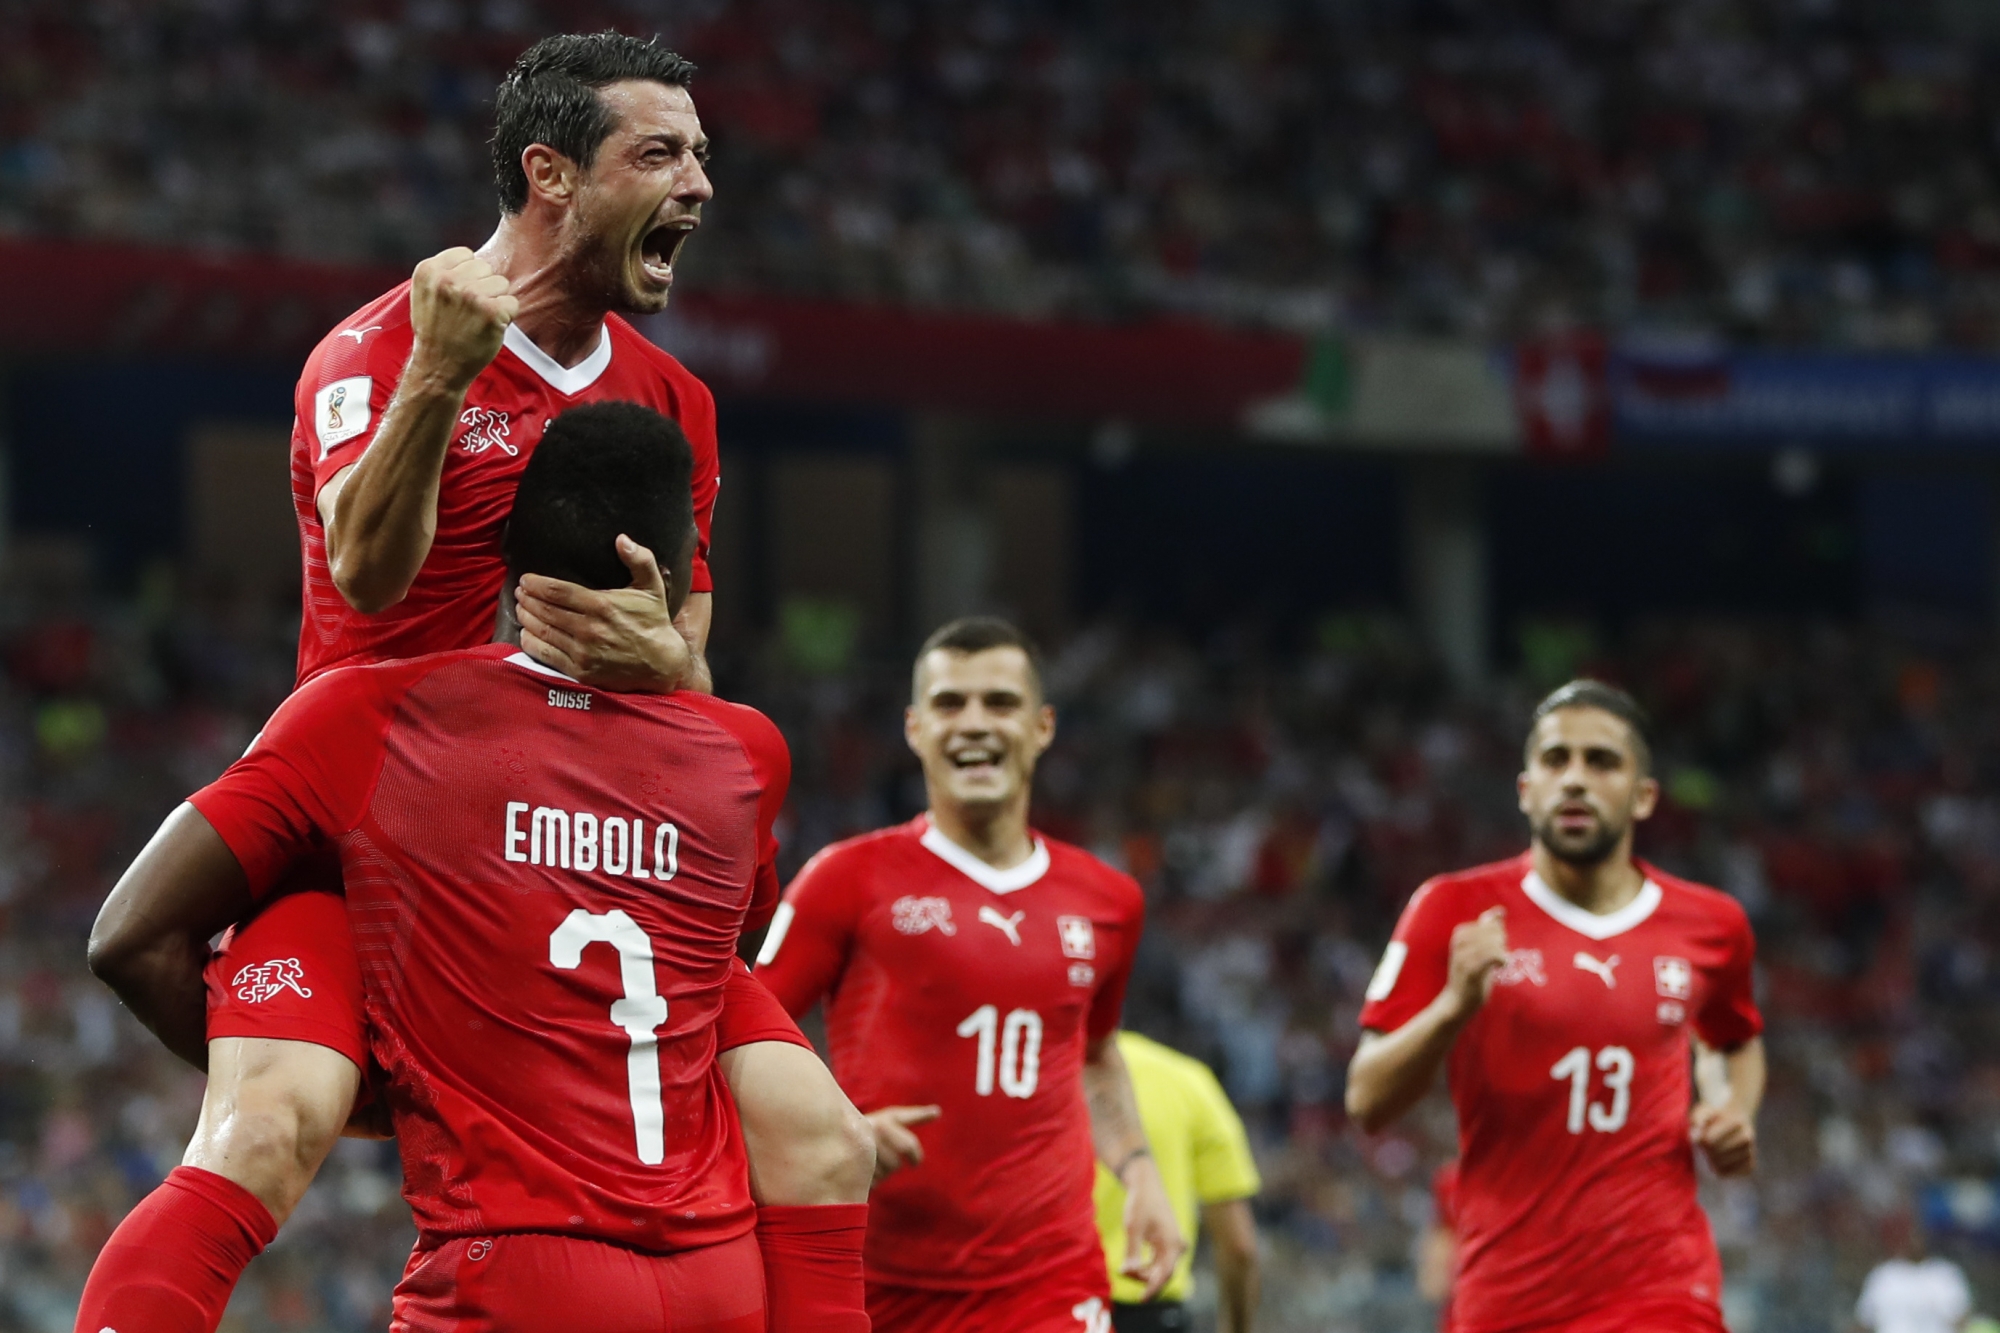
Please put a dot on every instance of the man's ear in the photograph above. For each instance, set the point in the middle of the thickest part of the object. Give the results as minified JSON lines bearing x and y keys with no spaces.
{"x":552,"y":176}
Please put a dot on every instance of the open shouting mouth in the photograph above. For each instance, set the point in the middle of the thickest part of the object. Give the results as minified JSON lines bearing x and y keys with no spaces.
{"x":661,"y":246}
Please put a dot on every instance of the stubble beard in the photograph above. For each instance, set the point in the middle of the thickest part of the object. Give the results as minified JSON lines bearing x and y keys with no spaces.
{"x":1592,"y":851}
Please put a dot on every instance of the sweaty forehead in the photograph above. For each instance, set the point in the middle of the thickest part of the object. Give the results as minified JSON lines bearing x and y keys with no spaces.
{"x":1004,"y":668}
{"x":1581,"y":728}
{"x":644,"y":107}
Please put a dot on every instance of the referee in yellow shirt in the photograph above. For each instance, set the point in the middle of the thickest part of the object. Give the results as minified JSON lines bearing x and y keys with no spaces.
{"x":1204,"y":1158}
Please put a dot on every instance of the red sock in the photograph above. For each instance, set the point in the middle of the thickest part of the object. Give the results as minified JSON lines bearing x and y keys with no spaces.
{"x":171,"y":1264}
{"x":812,"y":1268}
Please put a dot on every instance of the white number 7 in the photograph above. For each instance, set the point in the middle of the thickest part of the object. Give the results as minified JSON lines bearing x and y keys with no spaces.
{"x":640,"y":1013}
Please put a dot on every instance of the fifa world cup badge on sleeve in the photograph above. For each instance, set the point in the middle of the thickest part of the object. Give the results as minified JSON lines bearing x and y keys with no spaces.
{"x":340,"y":411}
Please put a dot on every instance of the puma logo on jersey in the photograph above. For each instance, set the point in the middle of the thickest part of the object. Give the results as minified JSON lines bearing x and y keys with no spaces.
{"x":1010,"y":926}
{"x":359,"y":334}
{"x":1093,"y":1314}
{"x":1602,"y":971}
{"x":914,"y":916}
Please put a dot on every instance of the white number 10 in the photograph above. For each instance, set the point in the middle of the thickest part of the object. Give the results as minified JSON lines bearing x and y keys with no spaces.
{"x":1019,"y":1062}
{"x":640,"y":1013}
{"x":1615,"y":1062}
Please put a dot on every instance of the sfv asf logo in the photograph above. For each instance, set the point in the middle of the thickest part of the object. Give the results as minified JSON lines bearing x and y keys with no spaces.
{"x":263,"y":981}
{"x":485,"y":429}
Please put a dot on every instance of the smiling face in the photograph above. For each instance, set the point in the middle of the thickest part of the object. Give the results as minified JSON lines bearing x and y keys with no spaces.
{"x":978,"y":724}
{"x":641,"y":198}
{"x":1584,"y":786}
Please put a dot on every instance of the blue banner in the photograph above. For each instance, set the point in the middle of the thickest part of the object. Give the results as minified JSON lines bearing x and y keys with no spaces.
{"x":1773,"y":399}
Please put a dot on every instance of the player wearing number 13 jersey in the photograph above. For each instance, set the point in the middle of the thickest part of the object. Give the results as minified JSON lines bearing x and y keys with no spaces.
{"x":974,"y":974}
{"x":1561,"y":990}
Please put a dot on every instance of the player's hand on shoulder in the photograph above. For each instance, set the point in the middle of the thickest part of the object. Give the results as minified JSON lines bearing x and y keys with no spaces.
{"x":1726,"y":1136}
{"x":615,"y":638}
{"x":895,"y":1145}
{"x":1478,"y":952}
{"x":460,"y":307}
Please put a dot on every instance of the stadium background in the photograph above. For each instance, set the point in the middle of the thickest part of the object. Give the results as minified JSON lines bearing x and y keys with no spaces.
{"x":1320,"y":378}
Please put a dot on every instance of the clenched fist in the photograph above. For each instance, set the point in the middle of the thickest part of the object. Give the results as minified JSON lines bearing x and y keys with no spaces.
{"x":1726,"y":1137}
{"x":459,"y":311}
{"x":1478,"y":952}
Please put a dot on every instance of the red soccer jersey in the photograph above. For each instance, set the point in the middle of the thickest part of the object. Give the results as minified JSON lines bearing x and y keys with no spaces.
{"x":1576,"y":1184}
{"x":953,"y":983}
{"x":546,"y":884}
{"x":348,"y":382}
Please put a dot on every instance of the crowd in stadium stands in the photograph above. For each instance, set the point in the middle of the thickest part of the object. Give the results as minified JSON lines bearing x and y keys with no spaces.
{"x":1768,"y":171}
{"x":1278,"y":806}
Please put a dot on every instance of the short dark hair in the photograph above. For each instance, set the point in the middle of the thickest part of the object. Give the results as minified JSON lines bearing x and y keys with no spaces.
{"x":1610,"y":699}
{"x":600,"y":470}
{"x":976,"y":634}
{"x":550,"y":97}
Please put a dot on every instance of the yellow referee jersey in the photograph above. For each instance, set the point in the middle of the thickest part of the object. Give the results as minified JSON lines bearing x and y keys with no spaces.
{"x":1198,"y":1140}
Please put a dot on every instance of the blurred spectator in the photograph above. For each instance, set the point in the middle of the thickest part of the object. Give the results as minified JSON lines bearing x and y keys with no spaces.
{"x":1783,"y":171}
{"x":1914,"y":1292}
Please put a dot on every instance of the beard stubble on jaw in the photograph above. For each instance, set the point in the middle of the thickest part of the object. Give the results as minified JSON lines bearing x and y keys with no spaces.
{"x":1592,"y":851}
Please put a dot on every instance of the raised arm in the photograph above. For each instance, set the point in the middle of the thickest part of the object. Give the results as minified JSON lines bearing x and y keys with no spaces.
{"x":1392,"y":1071}
{"x":1154,"y":1243}
{"x":150,"y":941}
{"x":381,"y":513}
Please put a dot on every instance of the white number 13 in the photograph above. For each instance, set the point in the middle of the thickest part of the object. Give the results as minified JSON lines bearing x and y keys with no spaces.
{"x":1615,"y":1063}
{"x":640,"y":1013}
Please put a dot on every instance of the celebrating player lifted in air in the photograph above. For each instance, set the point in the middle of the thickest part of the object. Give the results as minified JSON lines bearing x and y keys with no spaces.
{"x":974,"y":973}
{"x":547,"y":883}
{"x":1561,"y":989}
{"x":415,"y":420}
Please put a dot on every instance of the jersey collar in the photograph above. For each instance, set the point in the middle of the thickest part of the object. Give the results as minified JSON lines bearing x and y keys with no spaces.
{"x":976,"y":870}
{"x":563,"y":379}
{"x":1591,"y":924}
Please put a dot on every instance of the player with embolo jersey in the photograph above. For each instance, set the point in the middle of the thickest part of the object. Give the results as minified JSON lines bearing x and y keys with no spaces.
{"x":415,"y":421}
{"x":974,"y":973}
{"x":1561,"y":990}
{"x":547,"y":883}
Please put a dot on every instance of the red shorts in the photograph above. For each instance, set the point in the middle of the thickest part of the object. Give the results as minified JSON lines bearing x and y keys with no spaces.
{"x":528,"y":1283}
{"x":289,"y":973}
{"x":1078,"y":1302}
{"x":1646,"y":1314}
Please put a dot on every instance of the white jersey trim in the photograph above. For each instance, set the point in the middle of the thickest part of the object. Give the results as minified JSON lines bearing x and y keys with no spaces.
{"x":1592,"y":924}
{"x":994,"y":881}
{"x":522,"y":659}
{"x":563,"y":379}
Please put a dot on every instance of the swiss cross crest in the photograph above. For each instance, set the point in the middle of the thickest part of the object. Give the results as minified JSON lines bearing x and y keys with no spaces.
{"x":1673,"y":978}
{"x":485,"y":429}
{"x":263,"y":981}
{"x":1078,"y":940}
{"x":914,"y":916}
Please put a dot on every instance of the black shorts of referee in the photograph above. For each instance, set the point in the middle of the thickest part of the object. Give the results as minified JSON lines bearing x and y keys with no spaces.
{"x":1150,"y":1317}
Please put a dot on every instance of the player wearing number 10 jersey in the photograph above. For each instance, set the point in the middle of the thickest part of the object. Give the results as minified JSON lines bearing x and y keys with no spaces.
{"x":974,"y":975}
{"x":1561,"y":989}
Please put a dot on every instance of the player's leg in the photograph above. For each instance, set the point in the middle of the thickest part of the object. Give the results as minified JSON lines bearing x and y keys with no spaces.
{"x":273,"y":1107}
{"x":812,"y":1158}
